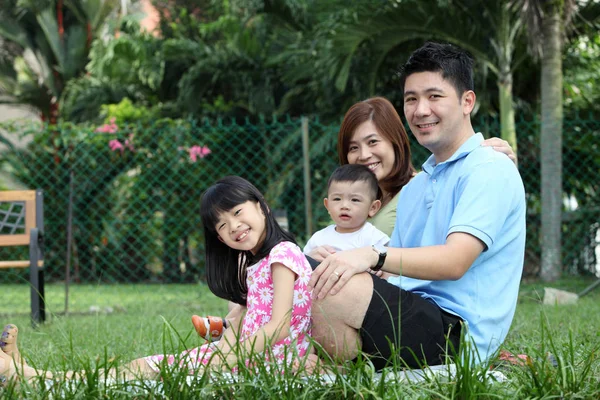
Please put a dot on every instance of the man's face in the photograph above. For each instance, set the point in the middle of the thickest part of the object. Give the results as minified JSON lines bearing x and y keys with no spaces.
{"x":350,"y":204}
{"x":435,"y":113}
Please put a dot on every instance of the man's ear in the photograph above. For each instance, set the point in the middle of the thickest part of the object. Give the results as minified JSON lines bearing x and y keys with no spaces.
{"x":375,"y":206}
{"x":468,"y":101}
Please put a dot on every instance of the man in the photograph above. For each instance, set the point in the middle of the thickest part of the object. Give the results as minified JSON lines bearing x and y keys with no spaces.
{"x":458,"y":243}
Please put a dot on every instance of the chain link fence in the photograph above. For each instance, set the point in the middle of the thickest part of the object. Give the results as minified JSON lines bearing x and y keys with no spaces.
{"x":132,"y":192}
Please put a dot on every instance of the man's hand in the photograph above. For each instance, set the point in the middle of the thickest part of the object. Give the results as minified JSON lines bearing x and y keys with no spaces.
{"x":337,"y":269}
{"x":502,"y":146}
{"x":322,"y":252}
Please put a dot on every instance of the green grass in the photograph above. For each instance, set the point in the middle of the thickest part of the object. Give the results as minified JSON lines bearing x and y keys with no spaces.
{"x":149,"y":319}
{"x":133,"y":329}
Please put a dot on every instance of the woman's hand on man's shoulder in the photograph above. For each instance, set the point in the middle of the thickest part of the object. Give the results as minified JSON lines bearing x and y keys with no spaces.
{"x":501,"y":146}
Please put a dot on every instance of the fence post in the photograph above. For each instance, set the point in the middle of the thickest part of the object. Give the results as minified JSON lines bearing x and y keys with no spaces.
{"x":69,"y":242}
{"x":307,"y":188}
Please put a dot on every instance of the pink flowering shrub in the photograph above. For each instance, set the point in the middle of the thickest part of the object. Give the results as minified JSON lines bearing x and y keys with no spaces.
{"x":198,"y":152}
{"x":195,"y":152}
{"x":111,"y":127}
{"x":115,"y":145}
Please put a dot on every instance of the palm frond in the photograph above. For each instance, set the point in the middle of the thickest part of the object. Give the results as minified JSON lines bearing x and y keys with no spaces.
{"x":48,"y":24}
{"x":8,"y":76}
{"x":11,"y":30}
{"x":75,"y":52}
{"x":93,"y":12}
{"x":82,"y":98}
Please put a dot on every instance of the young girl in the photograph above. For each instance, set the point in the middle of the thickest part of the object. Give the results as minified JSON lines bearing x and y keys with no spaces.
{"x":251,"y":261}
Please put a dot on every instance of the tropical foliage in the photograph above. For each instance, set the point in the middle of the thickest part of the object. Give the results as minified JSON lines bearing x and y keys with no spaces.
{"x":53,"y":40}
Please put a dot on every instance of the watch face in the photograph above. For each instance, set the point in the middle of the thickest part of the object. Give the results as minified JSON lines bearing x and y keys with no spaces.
{"x":381,"y":249}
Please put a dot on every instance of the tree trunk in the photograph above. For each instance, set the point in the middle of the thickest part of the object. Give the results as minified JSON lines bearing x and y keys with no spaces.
{"x":551,"y":144}
{"x":503,"y":46}
{"x":507,"y":112}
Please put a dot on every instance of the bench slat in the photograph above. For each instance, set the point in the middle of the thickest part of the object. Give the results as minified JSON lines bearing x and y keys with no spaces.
{"x":18,"y":264}
{"x":17,"y":195}
{"x":14,"y":240}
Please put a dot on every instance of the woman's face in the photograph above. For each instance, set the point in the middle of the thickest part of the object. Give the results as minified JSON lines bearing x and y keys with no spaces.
{"x":368,"y":147}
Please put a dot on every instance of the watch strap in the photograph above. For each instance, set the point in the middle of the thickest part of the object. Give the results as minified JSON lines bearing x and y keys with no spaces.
{"x":382,"y":255}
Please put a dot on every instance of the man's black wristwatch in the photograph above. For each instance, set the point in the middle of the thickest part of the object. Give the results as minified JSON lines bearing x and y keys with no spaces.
{"x":382,"y":253}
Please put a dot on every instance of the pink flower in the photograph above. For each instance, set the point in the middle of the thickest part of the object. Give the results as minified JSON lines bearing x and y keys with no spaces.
{"x":197,"y":151}
{"x":115,"y":145}
{"x":108,"y":128}
{"x":129,"y":143}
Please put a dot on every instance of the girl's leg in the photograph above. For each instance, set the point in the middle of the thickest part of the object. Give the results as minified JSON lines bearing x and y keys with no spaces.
{"x":10,"y":369}
{"x":136,"y":369}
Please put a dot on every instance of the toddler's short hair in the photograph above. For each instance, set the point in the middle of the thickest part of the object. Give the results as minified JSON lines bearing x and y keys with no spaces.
{"x":356,"y":173}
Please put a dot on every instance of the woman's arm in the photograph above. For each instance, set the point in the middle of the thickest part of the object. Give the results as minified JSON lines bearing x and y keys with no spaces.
{"x":278,"y":327}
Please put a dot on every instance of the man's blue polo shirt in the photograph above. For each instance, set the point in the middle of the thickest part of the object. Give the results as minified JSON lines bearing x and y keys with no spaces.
{"x":476,"y":191}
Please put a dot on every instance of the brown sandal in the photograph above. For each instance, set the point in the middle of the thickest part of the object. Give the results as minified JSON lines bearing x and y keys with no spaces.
{"x":210,"y":328}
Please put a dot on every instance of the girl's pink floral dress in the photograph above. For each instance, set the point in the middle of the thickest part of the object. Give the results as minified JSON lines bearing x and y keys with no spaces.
{"x":260,"y":308}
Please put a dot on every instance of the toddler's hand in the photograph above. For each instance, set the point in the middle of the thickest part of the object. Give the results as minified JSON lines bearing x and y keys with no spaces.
{"x":320,"y":253}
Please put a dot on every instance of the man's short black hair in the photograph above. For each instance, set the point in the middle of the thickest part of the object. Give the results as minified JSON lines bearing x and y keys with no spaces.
{"x":356,"y":173}
{"x":454,"y":63}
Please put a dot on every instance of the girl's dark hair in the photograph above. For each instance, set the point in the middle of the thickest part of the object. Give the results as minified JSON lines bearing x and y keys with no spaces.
{"x":383,"y":115}
{"x":226,"y":267}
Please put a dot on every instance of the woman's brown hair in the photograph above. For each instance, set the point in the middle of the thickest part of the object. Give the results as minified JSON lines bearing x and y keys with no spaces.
{"x":383,"y":115}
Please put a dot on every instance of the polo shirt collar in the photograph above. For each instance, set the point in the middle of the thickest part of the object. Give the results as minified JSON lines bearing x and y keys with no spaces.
{"x":467,"y":147}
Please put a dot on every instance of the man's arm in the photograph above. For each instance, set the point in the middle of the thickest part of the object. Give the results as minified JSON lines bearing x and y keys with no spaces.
{"x":488,"y":195}
{"x":449,"y":261}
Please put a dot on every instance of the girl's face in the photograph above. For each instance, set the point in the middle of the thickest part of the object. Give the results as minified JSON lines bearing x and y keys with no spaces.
{"x":243,"y":227}
{"x":368,"y":147}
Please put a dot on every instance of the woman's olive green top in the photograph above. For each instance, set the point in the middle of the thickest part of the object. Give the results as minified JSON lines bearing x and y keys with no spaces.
{"x":385,"y":219}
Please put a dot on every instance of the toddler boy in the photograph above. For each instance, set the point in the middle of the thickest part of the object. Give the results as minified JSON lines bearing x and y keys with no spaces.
{"x":352,"y":197}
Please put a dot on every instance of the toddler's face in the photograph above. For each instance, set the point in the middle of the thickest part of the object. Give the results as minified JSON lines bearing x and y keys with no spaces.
{"x":350,"y":204}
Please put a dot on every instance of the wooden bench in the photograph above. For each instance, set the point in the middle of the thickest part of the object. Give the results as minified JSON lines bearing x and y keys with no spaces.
{"x":22,"y":224}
